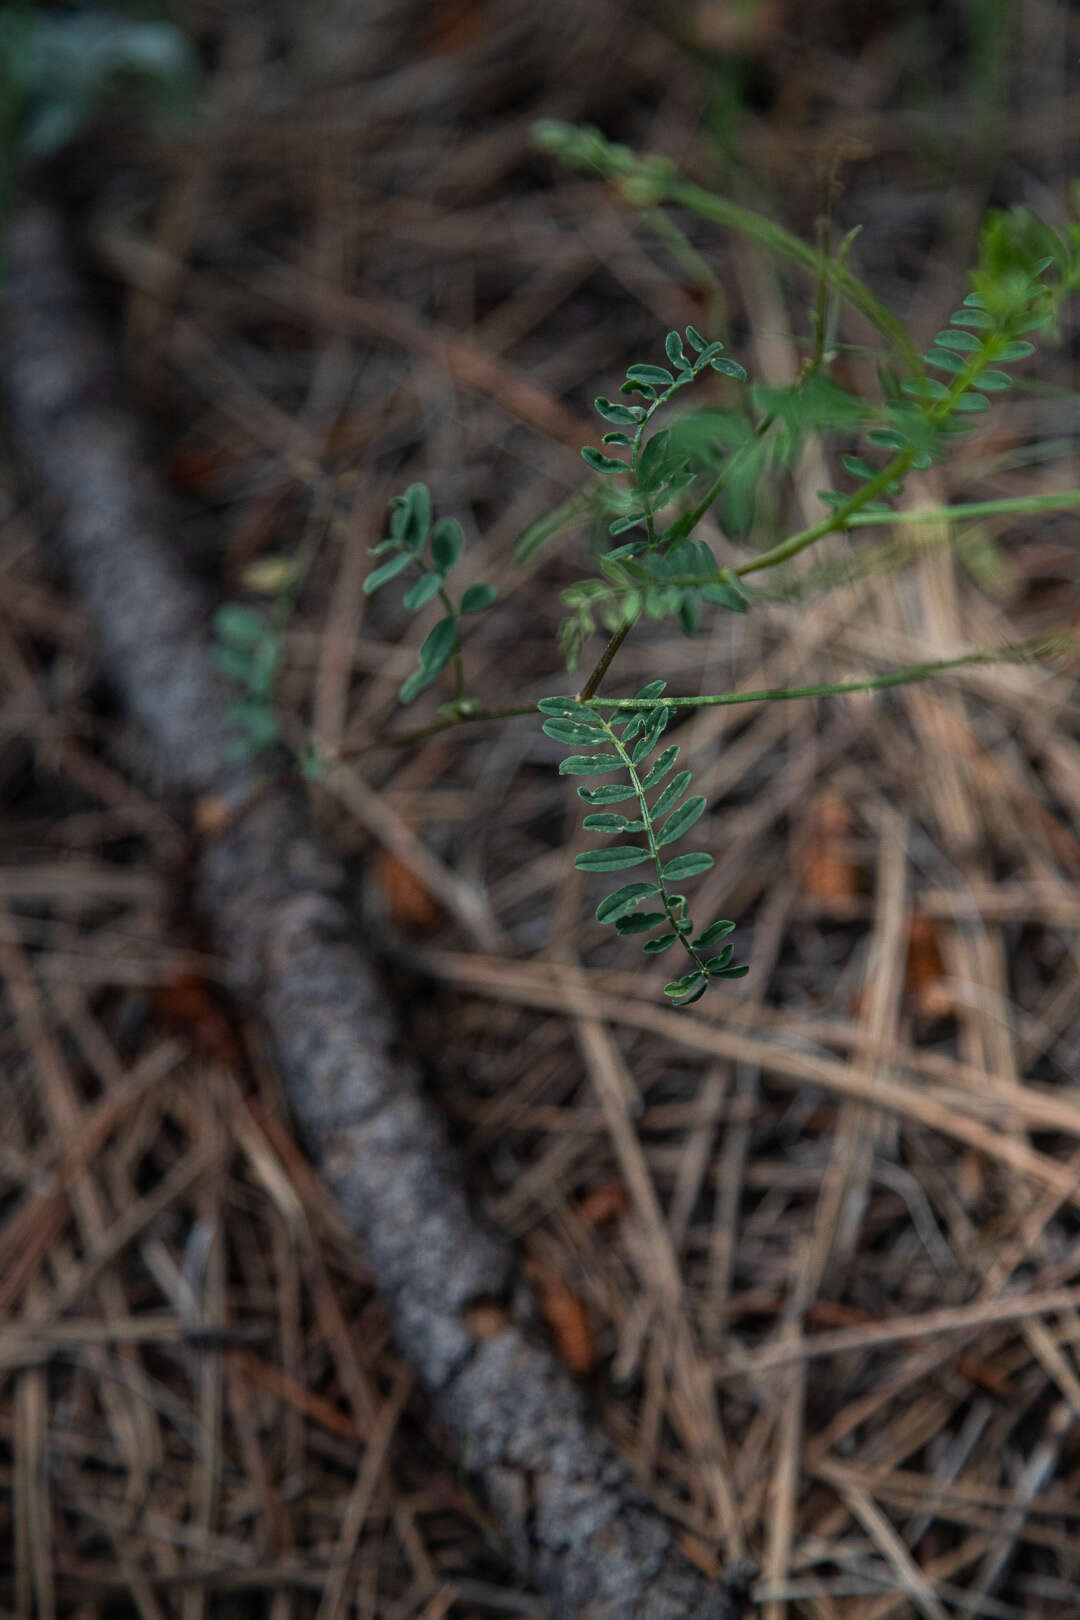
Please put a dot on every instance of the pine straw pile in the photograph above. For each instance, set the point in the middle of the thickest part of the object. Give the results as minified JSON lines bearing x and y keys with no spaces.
{"x":812,"y":1245}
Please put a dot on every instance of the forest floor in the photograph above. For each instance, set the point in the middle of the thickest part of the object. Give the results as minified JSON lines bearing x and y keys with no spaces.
{"x":810,"y":1247}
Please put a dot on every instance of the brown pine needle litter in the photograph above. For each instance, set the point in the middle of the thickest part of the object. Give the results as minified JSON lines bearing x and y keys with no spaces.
{"x":809,"y":1251}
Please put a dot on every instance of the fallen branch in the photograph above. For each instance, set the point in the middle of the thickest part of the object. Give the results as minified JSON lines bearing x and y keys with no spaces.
{"x":578,"y":1524}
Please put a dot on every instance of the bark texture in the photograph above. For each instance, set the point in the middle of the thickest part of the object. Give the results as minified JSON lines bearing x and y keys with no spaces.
{"x":580,"y":1527}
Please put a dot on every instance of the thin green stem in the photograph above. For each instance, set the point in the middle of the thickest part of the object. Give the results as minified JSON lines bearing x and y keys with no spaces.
{"x":837,"y":519}
{"x":971,"y":509}
{"x":691,"y":261}
{"x":693,"y":518}
{"x":620,"y":635}
{"x":896,"y":469}
{"x":1044,"y":646}
{"x":459,"y":662}
{"x":593,"y":683}
{"x":821,"y":299}
{"x":683,"y":250}
{"x":654,"y":848}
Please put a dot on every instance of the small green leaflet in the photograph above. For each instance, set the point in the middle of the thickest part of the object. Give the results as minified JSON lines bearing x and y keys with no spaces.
{"x":663,"y":764}
{"x":572,"y":731}
{"x":650,"y":374}
{"x":440,"y":644}
{"x":417,"y":503}
{"x":654,"y":727}
{"x":611,"y":793}
{"x":639,"y":922}
{"x":679,"y":987}
{"x":418,"y":595}
{"x":589,"y":764}
{"x":601,"y":463}
{"x":687,"y":866}
{"x":725,"y":592}
{"x":673,"y":348}
{"x":627,"y":415}
{"x":615,"y":859}
{"x":385,"y":571}
{"x":477,"y":598}
{"x":623,"y":901}
{"x":447,"y":544}
{"x":681,"y":820}
{"x":672,"y":793}
{"x":564,"y":706}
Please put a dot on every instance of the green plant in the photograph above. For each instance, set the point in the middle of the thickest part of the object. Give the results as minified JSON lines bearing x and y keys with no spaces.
{"x":657,"y":483}
{"x":432,"y":552}
{"x":58,"y":70}
{"x":625,"y":746}
{"x":248,"y":650}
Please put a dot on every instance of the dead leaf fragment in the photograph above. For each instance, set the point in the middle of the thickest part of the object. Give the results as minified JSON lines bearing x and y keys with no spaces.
{"x":605,"y":1203}
{"x":411,"y":906}
{"x":566,"y":1318}
{"x":827,"y":870}
{"x":925,"y":973}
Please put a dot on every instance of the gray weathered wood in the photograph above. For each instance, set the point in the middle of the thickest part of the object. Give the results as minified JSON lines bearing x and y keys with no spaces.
{"x":579,"y":1525}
